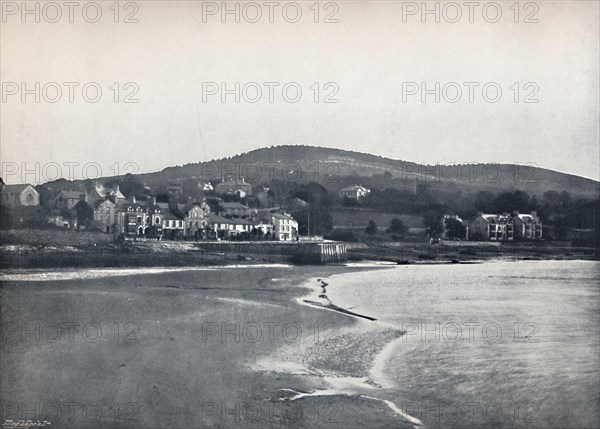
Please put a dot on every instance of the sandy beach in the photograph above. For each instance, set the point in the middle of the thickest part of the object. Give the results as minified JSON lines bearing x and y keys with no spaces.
{"x":194,"y":348}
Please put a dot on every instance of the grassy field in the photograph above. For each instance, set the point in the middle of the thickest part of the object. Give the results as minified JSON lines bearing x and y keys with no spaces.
{"x":359,"y":218}
{"x":53,"y":237}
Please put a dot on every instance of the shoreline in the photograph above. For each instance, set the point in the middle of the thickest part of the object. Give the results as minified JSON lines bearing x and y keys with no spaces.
{"x":375,"y":376}
{"x":328,"y":366}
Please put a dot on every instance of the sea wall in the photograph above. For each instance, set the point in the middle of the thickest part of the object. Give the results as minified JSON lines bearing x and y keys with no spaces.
{"x":307,"y":253}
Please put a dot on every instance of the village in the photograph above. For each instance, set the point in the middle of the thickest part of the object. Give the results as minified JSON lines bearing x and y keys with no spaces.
{"x":220,"y":214}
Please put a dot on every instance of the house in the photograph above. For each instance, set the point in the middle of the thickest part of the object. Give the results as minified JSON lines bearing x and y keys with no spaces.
{"x":527,"y":226}
{"x":355,"y":192}
{"x":135,"y":219}
{"x":172,"y":225}
{"x":285,"y":227}
{"x":234,"y":186}
{"x":235,"y":209}
{"x":223,"y":227}
{"x":61,"y":221}
{"x":205,"y":186}
{"x":494,"y":227}
{"x":174,"y":189}
{"x":264,"y":226}
{"x":196,"y":220}
{"x":68,"y":199}
{"x":105,"y":215}
{"x":23,"y":195}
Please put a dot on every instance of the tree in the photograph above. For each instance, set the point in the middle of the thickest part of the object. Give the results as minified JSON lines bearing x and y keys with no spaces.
{"x":397,"y":227}
{"x":371,"y":228}
{"x":433,"y":222}
{"x":85,"y":214}
{"x":455,"y":229}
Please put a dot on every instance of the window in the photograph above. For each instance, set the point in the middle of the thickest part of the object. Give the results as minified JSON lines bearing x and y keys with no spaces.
{"x":30,"y":197}
{"x":157,"y":220}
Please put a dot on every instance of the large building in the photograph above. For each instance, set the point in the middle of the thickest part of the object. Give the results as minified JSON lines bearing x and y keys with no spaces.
{"x":23,"y":195}
{"x":527,"y":226}
{"x":196,"y":220}
{"x":136,"y":219}
{"x":234,"y":186}
{"x":494,"y":227}
{"x":285,"y":227}
{"x":506,"y":227}
{"x":105,"y":215}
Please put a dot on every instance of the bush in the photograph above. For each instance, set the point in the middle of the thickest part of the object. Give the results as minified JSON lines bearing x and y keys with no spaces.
{"x":397,"y":227}
{"x":371,"y":227}
{"x":342,"y":235}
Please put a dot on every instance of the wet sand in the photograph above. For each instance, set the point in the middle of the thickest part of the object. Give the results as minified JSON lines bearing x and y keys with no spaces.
{"x":234,"y":347}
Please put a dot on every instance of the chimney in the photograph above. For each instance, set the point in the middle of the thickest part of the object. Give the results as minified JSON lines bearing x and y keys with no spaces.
{"x":153,"y":201}
{"x":133,"y":199}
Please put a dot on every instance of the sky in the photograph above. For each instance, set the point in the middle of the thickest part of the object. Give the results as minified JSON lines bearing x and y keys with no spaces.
{"x":365,"y":80}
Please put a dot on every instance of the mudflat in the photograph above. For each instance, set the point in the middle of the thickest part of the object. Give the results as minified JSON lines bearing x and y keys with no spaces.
{"x":187,"y":348}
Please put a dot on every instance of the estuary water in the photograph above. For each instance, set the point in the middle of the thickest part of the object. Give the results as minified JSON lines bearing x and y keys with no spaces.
{"x":499,"y":344}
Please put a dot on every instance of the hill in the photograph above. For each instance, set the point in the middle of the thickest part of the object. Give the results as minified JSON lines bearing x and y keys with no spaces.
{"x":336,"y":168}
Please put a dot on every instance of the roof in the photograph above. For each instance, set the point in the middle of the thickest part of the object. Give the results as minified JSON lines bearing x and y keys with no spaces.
{"x":126,"y":204}
{"x":495,"y":218}
{"x":214,"y":218}
{"x":17,"y":188}
{"x":234,"y":205}
{"x":71,"y":194}
{"x":117,"y":193}
{"x":99,"y":202}
{"x":281,"y":216}
{"x":167,"y":215}
{"x":355,"y":188}
{"x":526,"y":217}
{"x":99,"y":189}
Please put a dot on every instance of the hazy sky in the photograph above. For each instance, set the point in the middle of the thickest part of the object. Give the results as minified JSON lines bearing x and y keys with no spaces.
{"x":369,"y":57}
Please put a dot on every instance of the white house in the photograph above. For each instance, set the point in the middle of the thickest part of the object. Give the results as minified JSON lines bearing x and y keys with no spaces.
{"x":285,"y":227}
{"x":355,"y":192}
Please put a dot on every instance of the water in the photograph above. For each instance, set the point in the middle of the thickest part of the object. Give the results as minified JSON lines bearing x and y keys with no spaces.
{"x":499,"y":344}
